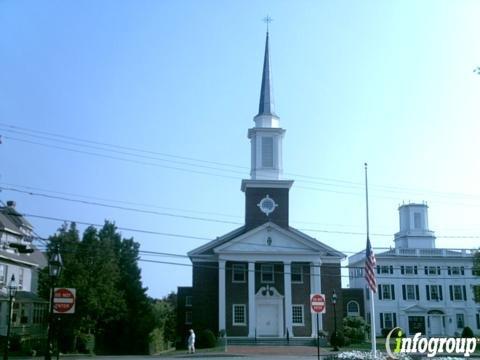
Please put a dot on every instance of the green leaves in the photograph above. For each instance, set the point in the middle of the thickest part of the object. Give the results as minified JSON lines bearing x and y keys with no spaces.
{"x":111,"y":302}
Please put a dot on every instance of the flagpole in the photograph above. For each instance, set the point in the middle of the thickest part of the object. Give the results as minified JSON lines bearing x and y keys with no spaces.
{"x":372,"y":294}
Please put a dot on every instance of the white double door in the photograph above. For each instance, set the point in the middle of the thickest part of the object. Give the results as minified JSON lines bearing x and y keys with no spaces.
{"x":269,"y":319}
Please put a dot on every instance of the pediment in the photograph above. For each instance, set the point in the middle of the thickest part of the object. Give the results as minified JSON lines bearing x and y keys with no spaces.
{"x":272,"y":239}
{"x":415,"y":309}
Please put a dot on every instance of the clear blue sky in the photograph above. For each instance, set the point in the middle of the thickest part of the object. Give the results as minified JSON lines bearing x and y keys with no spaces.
{"x":386,"y":82}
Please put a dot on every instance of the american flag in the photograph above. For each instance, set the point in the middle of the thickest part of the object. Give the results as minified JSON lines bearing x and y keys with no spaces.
{"x":370,"y":264}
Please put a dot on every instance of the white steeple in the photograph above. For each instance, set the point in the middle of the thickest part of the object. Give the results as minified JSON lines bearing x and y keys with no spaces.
{"x":267,"y":135}
{"x":414,"y":232}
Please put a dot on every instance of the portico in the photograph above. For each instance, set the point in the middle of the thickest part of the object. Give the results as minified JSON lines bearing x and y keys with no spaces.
{"x":271,"y":293}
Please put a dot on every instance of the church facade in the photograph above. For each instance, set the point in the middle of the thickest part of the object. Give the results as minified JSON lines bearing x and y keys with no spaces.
{"x":256,"y":280}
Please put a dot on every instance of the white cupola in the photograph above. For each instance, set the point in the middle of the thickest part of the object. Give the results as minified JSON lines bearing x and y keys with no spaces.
{"x":414,"y":232}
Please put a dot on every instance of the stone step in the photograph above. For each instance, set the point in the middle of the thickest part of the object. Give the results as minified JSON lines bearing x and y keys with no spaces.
{"x":271,"y":341}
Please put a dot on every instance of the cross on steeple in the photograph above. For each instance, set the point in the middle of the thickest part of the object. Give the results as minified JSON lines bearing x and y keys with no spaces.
{"x":267,"y":20}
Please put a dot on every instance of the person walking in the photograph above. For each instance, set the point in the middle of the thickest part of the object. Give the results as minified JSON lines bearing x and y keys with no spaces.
{"x":191,"y":342}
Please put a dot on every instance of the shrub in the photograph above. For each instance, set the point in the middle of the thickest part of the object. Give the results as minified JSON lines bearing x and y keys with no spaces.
{"x":355,"y":328}
{"x":467,"y":332}
{"x":337,"y":339}
{"x":206,"y":339}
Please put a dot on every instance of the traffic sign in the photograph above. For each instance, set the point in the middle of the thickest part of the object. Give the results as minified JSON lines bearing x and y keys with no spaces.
{"x":317,"y":303}
{"x":64,"y":301}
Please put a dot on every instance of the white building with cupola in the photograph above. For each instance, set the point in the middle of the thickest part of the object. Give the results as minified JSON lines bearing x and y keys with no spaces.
{"x":421,"y":288}
{"x":256,"y":281}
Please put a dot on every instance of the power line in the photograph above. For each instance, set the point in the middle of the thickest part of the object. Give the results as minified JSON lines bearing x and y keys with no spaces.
{"x":230,"y":268}
{"x":209,"y":219}
{"x":151,"y":212}
{"x":110,"y":147}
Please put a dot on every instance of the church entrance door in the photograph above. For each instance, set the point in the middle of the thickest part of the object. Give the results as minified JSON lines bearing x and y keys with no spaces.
{"x":267,"y":320}
{"x":269,"y":312}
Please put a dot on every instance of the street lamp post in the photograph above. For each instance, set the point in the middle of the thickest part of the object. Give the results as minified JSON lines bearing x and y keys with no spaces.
{"x":55,"y":265}
{"x":12,"y":290}
{"x":334,"y":303}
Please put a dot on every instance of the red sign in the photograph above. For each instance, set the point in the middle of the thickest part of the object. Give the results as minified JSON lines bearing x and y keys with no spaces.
{"x":317,"y":303}
{"x":64,"y":301}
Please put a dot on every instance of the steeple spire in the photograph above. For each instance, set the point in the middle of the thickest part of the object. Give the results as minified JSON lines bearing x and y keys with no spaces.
{"x":266,"y":106}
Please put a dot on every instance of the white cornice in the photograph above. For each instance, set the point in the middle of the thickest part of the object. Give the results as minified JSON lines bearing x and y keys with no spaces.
{"x":275,"y":184}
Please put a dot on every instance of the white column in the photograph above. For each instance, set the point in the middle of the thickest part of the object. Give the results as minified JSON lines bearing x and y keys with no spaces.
{"x":252,"y":318}
{"x":287,"y":283}
{"x":221,"y":295}
{"x":315,"y":288}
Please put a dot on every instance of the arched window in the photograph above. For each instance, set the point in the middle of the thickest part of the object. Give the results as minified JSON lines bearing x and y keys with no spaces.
{"x":353,"y":309}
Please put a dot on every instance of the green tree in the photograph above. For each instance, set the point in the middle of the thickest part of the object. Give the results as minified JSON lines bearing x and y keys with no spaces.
{"x":164,"y":311}
{"x":111,"y":303}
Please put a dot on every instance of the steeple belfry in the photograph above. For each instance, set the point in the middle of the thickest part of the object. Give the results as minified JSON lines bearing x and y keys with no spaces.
{"x":267,"y":135}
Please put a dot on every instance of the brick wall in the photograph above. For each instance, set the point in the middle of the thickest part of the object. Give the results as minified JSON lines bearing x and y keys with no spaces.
{"x":331,"y":280}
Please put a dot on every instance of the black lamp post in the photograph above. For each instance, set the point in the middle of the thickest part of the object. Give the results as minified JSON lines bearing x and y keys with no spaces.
{"x":12,"y":290}
{"x":334,"y":303}
{"x":55,"y":265}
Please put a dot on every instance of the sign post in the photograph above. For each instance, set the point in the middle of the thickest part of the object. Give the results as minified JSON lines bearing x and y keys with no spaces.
{"x":64,"y":301}
{"x":317,"y":306}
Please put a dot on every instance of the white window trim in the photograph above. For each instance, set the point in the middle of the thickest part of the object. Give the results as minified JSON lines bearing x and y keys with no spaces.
{"x":188,"y":303}
{"x":384,"y":320}
{"x":244,"y":314}
{"x":389,"y":291}
{"x":461,"y":293}
{"x":412,"y":268}
{"x":244,"y":268}
{"x":456,"y":320}
{"x":273,"y":274}
{"x":414,"y":293}
{"x":431,"y":292}
{"x":301,"y":274}
{"x":186,"y":320}
{"x":303,"y":315}
{"x":357,"y":313}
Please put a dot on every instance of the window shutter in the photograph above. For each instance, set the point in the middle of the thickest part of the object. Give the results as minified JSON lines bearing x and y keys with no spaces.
{"x":462,"y":270}
{"x":449,"y":270}
{"x":451,"y":292}
{"x":394,"y":319}
{"x":392,"y":287}
{"x":367,"y":290}
{"x":417,"y":292}
{"x":478,"y":320}
{"x":402,"y":269}
{"x":391,"y":269}
{"x":464,"y":293}
{"x":378,"y":269}
{"x":426,"y":270}
{"x":379,"y":292}
{"x":404,"y":293}
{"x":381,"y":320}
{"x":440,"y":292}
{"x":428,"y":292}
{"x":438,"y":270}
{"x":415,"y":270}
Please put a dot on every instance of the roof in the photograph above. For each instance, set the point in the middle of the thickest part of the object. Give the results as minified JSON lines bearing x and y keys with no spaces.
{"x":208,"y":249}
{"x":417,"y":253}
{"x":12,"y":221}
{"x":26,"y":296}
{"x":266,"y":105}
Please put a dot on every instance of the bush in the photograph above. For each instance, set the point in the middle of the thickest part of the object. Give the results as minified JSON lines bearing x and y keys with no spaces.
{"x":337,"y":339}
{"x":467,"y":332}
{"x":206,"y":339}
{"x":355,"y":328}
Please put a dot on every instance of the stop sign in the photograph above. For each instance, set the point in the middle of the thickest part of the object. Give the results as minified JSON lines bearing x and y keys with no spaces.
{"x":64,"y":301}
{"x":317,"y":303}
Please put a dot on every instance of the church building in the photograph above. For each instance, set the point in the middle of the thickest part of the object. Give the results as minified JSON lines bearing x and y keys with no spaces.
{"x":256,"y":281}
